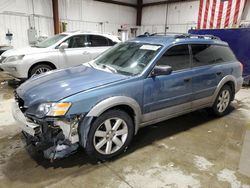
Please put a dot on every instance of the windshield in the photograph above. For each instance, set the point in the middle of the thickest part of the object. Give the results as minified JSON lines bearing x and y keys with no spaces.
{"x":128,"y":58}
{"x":50,"y":41}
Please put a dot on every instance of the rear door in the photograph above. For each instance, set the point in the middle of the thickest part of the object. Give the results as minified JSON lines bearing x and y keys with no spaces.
{"x":97,"y":44}
{"x":76,"y":53}
{"x":206,"y":74}
{"x":174,"y":90}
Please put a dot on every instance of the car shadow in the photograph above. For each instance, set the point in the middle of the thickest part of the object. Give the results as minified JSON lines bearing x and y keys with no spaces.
{"x":169,"y":128}
{"x":14,"y":83}
{"x":144,"y":137}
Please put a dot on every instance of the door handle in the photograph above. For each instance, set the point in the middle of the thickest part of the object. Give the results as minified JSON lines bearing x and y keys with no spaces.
{"x":85,"y":53}
{"x":219,"y":73}
{"x":187,"y":79}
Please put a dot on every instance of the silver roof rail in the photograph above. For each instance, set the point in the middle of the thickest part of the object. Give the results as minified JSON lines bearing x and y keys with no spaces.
{"x":198,"y":36}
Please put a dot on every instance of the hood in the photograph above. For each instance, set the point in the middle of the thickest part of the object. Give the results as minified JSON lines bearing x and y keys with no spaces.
{"x":24,"y":51}
{"x":56,"y":85}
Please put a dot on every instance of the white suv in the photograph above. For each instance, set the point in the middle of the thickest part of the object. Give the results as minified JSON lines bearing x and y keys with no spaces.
{"x":60,"y":51}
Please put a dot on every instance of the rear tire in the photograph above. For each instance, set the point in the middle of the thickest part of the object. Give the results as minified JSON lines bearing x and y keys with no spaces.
{"x":39,"y":69}
{"x":222,"y":101}
{"x":109,"y":135}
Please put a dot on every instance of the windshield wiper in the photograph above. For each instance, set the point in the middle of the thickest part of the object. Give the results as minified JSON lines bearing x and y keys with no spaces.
{"x":95,"y":65}
{"x":109,"y":68}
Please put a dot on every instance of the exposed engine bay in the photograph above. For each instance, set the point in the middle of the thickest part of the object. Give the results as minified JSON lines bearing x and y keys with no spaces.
{"x":56,"y":139}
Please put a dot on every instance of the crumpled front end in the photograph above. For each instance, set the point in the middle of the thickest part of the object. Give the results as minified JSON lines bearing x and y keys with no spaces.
{"x":56,"y":137}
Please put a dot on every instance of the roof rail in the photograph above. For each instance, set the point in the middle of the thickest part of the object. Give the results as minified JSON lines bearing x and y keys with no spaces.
{"x":181,"y":35}
{"x":197,"y":36}
{"x":167,"y":33}
{"x":147,"y":34}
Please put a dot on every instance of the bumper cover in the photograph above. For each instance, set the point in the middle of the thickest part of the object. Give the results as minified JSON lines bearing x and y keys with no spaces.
{"x":28,"y":127}
{"x":17,"y":70}
{"x":239,"y":83}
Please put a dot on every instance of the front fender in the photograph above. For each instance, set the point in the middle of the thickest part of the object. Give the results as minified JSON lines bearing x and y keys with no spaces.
{"x":101,"y":107}
{"x":111,"y":102}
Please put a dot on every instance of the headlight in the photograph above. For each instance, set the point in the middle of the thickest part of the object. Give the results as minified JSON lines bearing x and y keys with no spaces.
{"x":13,"y":58}
{"x":53,"y":109}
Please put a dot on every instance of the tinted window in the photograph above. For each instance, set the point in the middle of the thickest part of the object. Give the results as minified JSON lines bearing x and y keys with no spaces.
{"x":79,"y":41}
{"x":177,"y":57}
{"x":111,"y":43}
{"x":204,"y":54}
{"x":96,"y":40}
{"x":223,"y":54}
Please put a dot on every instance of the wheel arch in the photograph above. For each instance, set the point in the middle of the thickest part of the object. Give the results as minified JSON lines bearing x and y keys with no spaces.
{"x":124,"y":103}
{"x":40,"y":63}
{"x":227,"y":80}
{"x":231,"y":84}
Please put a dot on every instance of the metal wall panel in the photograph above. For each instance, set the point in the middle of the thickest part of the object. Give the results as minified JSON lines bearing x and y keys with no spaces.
{"x":88,"y":15}
{"x":17,"y":25}
{"x":14,"y":16}
{"x":84,"y":15}
{"x":178,"y":17}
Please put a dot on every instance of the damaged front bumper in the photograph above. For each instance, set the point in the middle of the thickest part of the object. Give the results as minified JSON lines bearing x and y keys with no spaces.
{"x":56,"y":137}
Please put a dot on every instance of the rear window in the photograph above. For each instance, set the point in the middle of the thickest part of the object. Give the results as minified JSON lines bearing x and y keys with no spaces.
{"x":206,"y":54}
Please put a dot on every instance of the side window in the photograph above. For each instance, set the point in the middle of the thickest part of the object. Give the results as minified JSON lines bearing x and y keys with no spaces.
{"x":177,"y":57}
{"x":96,"y":40}
{"x":79,"y":41}
{"x":204,"y":54}
{"x":223,"y":54}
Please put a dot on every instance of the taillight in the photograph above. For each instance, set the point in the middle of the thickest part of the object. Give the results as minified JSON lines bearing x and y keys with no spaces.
{"x":241,"y":67}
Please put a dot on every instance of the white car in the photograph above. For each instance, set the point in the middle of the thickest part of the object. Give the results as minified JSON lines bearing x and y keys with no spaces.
{"x":60,"y":51}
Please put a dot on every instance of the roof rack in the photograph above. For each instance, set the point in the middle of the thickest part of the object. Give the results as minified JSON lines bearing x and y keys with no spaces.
{"x":167,"y":33}
{"x":197,"y":36}
{"x":147,"y":34}
{"x":181,"y":35}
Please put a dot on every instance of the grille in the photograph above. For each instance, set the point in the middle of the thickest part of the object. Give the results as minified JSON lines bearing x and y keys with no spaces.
{"x":2,"y":59}
{"x":20,"y":102}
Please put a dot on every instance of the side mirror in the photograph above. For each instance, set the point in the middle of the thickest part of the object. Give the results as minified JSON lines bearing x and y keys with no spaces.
{"x":63,"y":46}
{"x":161,"y":70}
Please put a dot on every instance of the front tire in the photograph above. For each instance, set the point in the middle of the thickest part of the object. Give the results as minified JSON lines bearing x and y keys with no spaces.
{"x":109,"y":135}
{"x":39,"y":69}
{"x":223,"y":100}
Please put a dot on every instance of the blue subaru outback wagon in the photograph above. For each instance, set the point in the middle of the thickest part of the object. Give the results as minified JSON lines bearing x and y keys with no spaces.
{"x":101,"y":104}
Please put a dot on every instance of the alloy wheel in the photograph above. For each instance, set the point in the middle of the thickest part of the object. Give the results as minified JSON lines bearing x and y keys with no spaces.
{"x":110,"y":136}
{"x":223,"y":101}
{"x":40,"y":71}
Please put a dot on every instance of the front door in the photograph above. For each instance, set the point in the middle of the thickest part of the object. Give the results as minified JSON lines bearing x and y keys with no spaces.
{"x":169,"y":94}
{"x":77,"y":51}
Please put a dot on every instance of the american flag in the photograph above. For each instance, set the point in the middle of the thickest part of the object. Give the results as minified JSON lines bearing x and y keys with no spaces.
{"x":217,"y":14}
